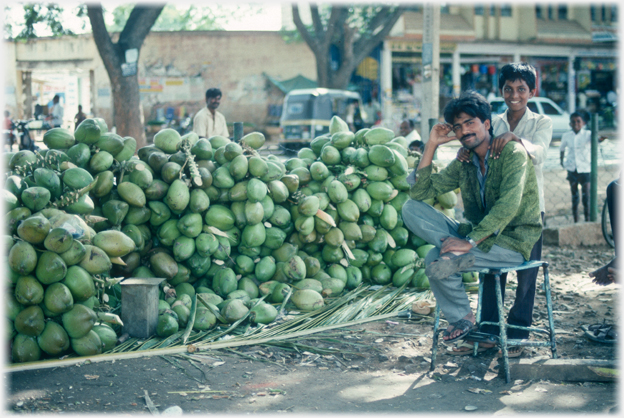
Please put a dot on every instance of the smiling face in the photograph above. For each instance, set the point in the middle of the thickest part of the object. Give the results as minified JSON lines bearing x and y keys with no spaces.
{"x":516,"y":94}
{"x":577,"y":123}
{"x":213,"y":103}
{"x":470,"y":131}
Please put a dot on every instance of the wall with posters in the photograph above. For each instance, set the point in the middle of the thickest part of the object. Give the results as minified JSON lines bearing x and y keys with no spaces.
{"x":175,"y":69}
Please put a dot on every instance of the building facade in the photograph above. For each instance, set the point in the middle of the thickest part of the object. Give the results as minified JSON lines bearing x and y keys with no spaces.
{"x":573,"y":47}
{"x":174,"y":69}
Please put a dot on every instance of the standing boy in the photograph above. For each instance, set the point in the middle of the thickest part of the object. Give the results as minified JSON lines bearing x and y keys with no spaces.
{"x":578,"y":160}
{"x":517,"y":85}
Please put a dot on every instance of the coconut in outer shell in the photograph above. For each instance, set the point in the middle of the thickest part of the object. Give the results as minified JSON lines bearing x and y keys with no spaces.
{"x":307,"y":299}
{"x":54,"y":339}
{"x":87,"y":345}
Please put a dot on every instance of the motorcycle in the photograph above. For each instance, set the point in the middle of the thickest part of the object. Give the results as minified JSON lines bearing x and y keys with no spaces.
{"x":23,"y":127}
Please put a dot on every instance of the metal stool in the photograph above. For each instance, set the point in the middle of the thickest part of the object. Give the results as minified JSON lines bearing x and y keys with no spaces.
{"x":502,"y":341}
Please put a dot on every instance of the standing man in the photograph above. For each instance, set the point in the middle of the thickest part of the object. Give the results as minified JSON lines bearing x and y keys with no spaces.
{"x":406,"y":130}
{"x":517,"y":83}
{"x":501,"y":204}
{"x":55,"y":119}
{"x":80,"y":116}
{"x":208,"y":122}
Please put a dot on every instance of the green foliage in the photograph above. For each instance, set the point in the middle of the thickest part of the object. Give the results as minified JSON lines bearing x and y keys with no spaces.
{"x":39,"y":14}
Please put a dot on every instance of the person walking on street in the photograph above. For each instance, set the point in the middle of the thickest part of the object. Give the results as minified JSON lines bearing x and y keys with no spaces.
{"x":208,"y":121}
{"x":80,"y":116}
{"x":577,"y":162}
{"x":517,"y":83}
{"x":501,"y":203}
{"x":55,"y":119}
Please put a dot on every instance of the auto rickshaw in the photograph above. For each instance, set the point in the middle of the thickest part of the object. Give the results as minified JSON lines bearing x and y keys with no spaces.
{"x":306,"y":114}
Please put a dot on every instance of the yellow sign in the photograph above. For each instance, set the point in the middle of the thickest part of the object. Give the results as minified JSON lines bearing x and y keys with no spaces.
{"x":368,"y":68}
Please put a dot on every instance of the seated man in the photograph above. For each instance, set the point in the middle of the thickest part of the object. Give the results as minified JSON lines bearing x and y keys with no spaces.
{"x":501,"y":203}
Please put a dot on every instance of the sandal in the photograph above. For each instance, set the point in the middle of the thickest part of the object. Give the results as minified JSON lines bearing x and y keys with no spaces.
{"x":449,"y":264}
{"x":512,"y":352}
{"x":602,"y":333}
{"x":469,"y":349}
{"x":464,"y":325}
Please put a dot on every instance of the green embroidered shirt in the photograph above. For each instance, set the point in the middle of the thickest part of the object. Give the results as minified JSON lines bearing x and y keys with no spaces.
{"x":511,"y":217}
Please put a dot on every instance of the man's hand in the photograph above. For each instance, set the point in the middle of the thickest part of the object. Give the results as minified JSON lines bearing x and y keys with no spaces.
{"x":455,"y":245}
{"x":498,"y":143}
{"x":440,"y":134}
{"x":463,"y":155}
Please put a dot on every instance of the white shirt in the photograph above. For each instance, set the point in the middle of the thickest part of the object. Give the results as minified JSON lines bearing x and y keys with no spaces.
{"x":535,"y":132}
{"x":412,"y":136}
{"x":205,"y":126}
{"x":578,"y":156}
{"x":57,"y":115}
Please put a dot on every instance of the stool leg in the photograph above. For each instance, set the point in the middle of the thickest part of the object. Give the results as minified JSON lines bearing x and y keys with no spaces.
{"x":502,"y":327}
{"x":478,"y":315}
{"x":434,"y":348}
{"x":551,"y":321}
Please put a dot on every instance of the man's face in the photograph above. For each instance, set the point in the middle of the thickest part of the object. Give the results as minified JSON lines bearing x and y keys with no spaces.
{"x":213,"y":102}
{"x":470,"y":131}
{"x":517,"y":94}
{"x":404,"y":129}
{"x":577,"y":123}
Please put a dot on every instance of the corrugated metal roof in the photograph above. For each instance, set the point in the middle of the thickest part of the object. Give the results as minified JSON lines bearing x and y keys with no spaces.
{"x":297,"y":82}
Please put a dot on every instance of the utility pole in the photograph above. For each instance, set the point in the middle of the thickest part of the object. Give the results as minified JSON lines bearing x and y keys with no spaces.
{"x":430,"y":69}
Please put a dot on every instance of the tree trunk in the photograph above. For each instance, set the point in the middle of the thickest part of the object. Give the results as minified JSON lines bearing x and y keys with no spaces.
{"x":127,"y":116}
{"x":338,"y":32}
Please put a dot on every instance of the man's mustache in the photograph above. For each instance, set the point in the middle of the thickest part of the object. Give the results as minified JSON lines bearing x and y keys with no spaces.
{"x":466,"y":136}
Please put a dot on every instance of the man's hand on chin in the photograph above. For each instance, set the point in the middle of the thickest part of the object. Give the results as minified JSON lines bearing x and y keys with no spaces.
{"x":455,"y":246}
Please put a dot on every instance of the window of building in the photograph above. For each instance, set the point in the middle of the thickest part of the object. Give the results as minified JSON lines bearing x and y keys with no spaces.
{"x":550,"y":13}
{"x":614,"y":10}
{"x":505,"y":10}
{"x":603,"y":12}
{"x":562,"y":12}
{"x":538,"y":12}
{"x":478,"y":10}
{"x":593,"y":13}
{"x":444,"y":9}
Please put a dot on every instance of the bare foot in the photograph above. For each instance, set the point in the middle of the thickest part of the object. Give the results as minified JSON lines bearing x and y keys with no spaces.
{"x":605,"y":275}
{"x":454,"y":333}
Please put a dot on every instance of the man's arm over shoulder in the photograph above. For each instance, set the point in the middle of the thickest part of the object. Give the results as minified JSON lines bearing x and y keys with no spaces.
{"x":537,"y":147}
{"x":515,"y":168}
{"x":425,"y":184}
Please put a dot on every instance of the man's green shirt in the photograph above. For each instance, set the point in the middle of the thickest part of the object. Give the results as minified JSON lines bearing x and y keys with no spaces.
{"x":512,"y":214}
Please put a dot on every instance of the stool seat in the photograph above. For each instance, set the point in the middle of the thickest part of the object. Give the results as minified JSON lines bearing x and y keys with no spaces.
{"x":501,"y":340}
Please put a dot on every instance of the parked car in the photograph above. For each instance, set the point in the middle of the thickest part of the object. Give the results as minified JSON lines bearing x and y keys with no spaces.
{"x":543,"y":106}
{"x":307,"y":112}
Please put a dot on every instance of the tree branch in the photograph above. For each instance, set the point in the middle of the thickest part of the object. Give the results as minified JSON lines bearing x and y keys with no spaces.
{"x":102,"y":39}
{"x":319,"y":31}
{"x":139,"y":24}
{"x":305,"y":34}
{"x":366,"y":44}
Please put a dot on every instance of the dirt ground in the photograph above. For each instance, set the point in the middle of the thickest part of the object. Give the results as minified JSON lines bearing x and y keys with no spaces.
{"x":378,"y":367}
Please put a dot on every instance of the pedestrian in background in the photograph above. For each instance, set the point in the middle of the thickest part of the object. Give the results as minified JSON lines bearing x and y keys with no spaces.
{"x":208,"y":121}
{"x":575,"y":157}
{"x":80,"y":116}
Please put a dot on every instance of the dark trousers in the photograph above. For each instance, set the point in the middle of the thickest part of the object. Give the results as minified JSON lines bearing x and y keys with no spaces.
{"x":579,"y":179}
{"x":613,"y":191}
{"x":521,"y":313}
